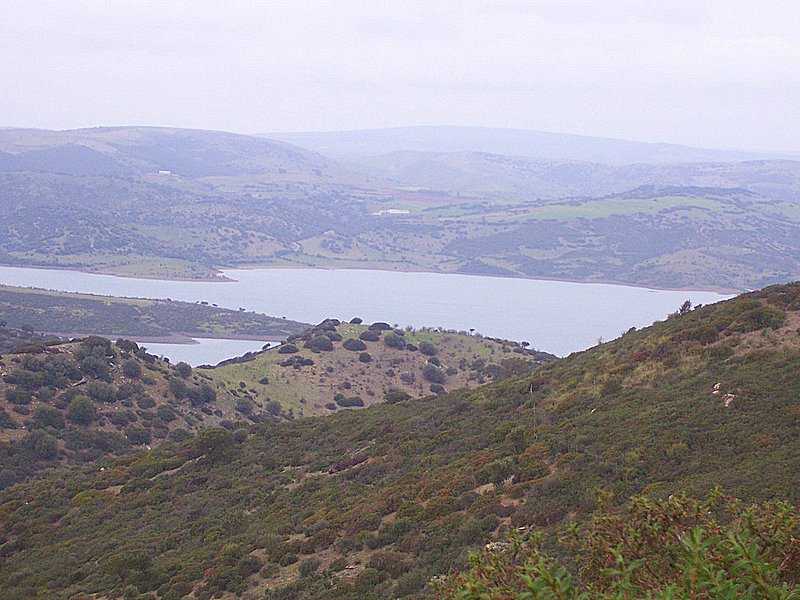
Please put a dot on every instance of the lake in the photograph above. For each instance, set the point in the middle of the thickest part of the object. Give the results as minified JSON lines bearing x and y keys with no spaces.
{"x":555,"y":316}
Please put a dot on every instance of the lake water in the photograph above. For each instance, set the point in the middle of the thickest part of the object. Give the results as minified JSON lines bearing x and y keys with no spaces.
{"x":554,"y":316}
{"x":207,"y":351}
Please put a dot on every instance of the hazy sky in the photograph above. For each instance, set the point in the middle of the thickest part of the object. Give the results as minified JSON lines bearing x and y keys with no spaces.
{"x":713,"y":73}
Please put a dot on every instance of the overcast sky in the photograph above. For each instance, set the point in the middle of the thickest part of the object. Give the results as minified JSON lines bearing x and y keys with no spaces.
{"x":712,"y":73}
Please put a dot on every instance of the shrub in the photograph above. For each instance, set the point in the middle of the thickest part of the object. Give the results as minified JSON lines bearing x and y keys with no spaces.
{"x":437,"y":388}
{"x":319,"y":343}
{"x":365,"y":357}
{"x":81,"y":410}
{"x":344,"y":402}
{"x":137,"y":435}
{"x":183,"y":369}
{"x":144,"y":402}
{"x":393,"y":340}
{"x":427,"y":348}
{"x":356,"y":321}
{"x":309,"y":566}
{"x":433,"y":374}
{"x":393,"y":396}
{"x":101,"y":392}
{"x":354,"y":345}
{"x":131,"y":368}
{"x":17,"y":396}
{"x":287,"y":349}
{"x":47,"y":416}
{"x":370,"y":336}
{"x":178,"y":388}
{"x":166,"y":413}
{"x":43,"y":445}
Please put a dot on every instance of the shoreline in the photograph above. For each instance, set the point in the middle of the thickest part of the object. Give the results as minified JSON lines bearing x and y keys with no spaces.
{"x":256,"y":267}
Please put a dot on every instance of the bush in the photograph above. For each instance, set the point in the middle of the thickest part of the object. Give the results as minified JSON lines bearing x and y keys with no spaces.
{"x":344,"y":402}
{"x":183,"y":369}
{"x":427,"y":348}
{"x":437,"y":388}
{"x":674,"y":548}
{"x":47,"y":416}
{"x":178,"y":388}
{"x":43,"y":446}
{"x":137,"y":435}
{"x":81,"y":410}
{"x":354,"y":345}
{"x":17,"y":396}
{"x":380,"y":326}
{"x":287,"y":349}
{"x":370,"y":336}
{"x":101,"y":392}
{"x":433,"y":374}
{"x":309,"y":566}
{"x":319,"y":343}
{"x":131,"y":368}
{"x":393,"y":340}
{"x":365,"y":357}
{"x":166,"y":413}
{"x":393,"y":396}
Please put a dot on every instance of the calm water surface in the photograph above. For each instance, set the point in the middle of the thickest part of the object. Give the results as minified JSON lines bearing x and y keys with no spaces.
{"x":207,"y":351}
{"x":554,"y":316}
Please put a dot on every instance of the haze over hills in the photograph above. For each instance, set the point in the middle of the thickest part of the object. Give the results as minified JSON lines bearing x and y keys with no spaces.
{"x":121,"y":151}
{"x":164,"y":202}
{"x":516,"y":142}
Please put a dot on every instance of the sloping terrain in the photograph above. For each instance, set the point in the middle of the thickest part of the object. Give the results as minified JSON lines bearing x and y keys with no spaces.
{"x":342,"y":365}
{"x":72,"y":403}
{"x":372,"y":503}
{"x":125,"y":151}
{"x":78,"y":315}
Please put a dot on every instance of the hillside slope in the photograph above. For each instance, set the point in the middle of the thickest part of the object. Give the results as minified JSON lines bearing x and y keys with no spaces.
{"x":371,"y":504}
{"x":362,"y":365}
{"x":78,"y":315}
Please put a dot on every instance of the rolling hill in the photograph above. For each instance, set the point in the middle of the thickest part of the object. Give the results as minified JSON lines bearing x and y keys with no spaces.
{"x":373,"y":503}
{"x":362,"y":365}
{"x":517,"y":142}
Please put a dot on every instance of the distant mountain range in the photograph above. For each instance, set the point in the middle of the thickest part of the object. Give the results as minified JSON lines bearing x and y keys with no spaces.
{"x":517,"y":142}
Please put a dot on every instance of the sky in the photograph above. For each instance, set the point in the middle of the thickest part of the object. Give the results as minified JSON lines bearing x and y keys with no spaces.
{"x":718,"y":74}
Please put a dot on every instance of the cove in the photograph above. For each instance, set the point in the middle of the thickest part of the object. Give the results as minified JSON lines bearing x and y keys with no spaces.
{"x":554,"y":316}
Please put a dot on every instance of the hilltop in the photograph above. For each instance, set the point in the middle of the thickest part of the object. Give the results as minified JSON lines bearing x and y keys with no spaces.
{"x":337,"y":365}
{"x":373,"y":503}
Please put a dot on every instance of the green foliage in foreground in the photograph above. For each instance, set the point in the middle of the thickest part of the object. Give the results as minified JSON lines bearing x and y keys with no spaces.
{"x":664,"y":549}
